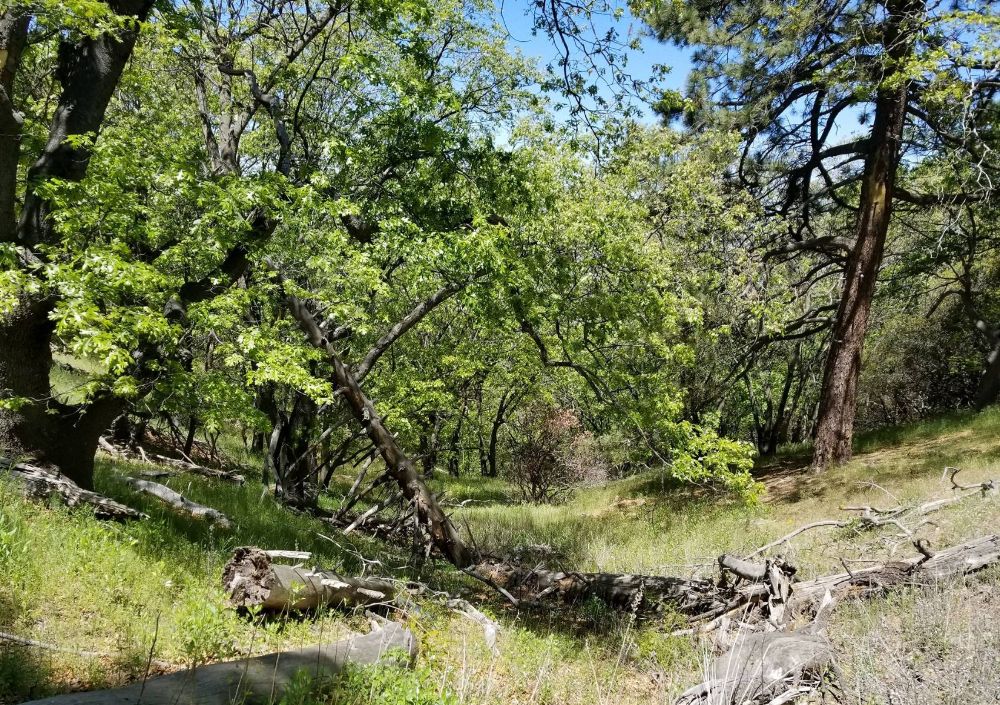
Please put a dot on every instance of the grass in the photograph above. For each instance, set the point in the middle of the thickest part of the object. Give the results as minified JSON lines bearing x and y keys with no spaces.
{"x":68,"y":579}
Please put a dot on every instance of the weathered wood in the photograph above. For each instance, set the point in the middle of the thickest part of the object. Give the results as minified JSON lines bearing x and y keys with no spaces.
{"x":490,"y":628}
{"x":179,"y":502}
{"x":262,"y":679}
{"x":42,"y":483}
{"x":777,"y":666}
{"x":691,"y":596}
{"x":952,"y":562}
{"x":289,"y":555}
{"x":251,"y":579}
{"x":762,"y":666}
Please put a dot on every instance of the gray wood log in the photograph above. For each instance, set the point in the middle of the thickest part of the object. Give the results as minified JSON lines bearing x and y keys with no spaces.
{"x":251,"y":579}
{"x":952,"y":562}
{"x":179,"y":502}
{"x":262,"y":679}
{"x":42,"y":483}
{"x":761,"y":666}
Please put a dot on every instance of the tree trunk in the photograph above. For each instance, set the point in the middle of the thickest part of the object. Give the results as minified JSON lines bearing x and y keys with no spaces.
{"x":835,"y":429}
{"x":498,"y":421}
{"x":442,"y":532}
{"x":13,"y":38}
{"x":88,"y":72}
{"x":262,"y":679}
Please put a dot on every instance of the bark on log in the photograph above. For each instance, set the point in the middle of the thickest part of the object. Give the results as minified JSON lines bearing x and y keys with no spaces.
{"x":179,"y":502}
{"x":262,"y":679}
{"x":691,"y":596}
{"x":251,"y":579}
{"x":41,"y":483}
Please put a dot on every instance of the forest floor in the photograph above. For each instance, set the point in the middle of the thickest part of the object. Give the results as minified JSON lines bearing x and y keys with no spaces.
{"x":153,"y":587}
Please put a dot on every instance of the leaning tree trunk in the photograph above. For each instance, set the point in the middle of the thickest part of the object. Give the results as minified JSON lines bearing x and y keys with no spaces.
{"x":431,"y":517}
{"x":835,"y":429}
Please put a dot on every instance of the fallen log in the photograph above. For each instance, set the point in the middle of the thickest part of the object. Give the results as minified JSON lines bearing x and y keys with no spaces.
{"x":251,"y":579}
{"x":692,"y":596}
{"x":780,"y":666}
{"x":761,"y":667}
{"x":157,"y":459}
{"x":262,"y":679}
{"x":179,"y":502}
{"x":952,"y":562}
{"x":42,"y":483}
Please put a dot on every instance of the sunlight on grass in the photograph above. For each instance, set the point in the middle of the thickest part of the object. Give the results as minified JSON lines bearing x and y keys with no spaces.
{"x":71,"y":580}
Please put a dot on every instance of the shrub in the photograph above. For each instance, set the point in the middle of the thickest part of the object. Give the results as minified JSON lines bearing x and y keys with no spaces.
{"x":553,"y":454}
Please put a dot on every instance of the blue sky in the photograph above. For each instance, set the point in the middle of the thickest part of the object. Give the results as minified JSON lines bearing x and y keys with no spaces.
{"x":640,"y":63}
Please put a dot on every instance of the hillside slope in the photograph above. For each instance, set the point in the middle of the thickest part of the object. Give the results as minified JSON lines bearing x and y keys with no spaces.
{"x":126,"y":590}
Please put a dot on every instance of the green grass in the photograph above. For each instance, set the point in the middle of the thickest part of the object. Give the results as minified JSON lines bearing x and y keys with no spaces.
{"x":70,"y":580}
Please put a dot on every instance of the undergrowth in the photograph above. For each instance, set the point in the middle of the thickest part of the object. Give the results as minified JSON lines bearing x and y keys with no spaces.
{"x":122,"y":589}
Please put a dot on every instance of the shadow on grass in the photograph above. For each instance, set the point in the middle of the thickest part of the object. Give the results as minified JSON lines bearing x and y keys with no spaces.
{"x":24,"y":670}
{"x":258,"y":520}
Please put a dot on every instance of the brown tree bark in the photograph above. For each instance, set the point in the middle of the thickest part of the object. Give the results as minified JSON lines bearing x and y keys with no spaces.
{"x":88,"y":71}
{"x":398,"y":465}
{"x":835,"y":427}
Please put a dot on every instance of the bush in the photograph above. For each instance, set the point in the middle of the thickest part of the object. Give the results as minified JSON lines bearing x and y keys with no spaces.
{"x":553,"y":454}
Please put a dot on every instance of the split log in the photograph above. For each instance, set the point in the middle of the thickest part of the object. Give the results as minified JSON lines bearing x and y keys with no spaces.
{"x":179,"y":502}
{"x":251,"y":579}
{"x":262,"y":679}
{"x":42,"y":483}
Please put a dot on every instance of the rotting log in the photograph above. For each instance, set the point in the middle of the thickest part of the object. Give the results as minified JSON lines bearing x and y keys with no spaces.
{"x":262,"y":679}
{"x":179,"y":502}
{"x":42,"y":483}
{"x":251,"y":579}
{"x":693,"y":596}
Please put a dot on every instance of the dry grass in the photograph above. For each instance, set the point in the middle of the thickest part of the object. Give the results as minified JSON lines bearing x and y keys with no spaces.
{"x":68,"y":579}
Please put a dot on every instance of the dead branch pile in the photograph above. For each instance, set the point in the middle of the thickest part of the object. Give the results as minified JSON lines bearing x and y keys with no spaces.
{"x":140,"y":455}
{"x":769,"y":660}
